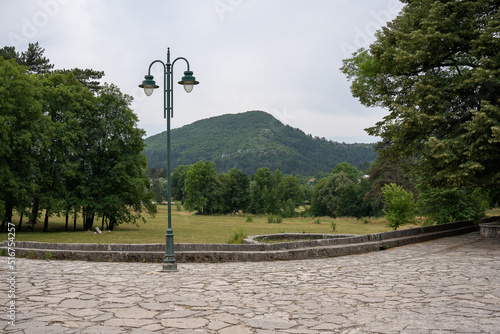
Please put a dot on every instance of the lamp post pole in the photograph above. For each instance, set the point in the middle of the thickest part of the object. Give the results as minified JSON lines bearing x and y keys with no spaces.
{"x":188,"y":80}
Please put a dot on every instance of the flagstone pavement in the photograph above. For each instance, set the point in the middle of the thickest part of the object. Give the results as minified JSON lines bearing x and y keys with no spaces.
{"x":449,"y":285}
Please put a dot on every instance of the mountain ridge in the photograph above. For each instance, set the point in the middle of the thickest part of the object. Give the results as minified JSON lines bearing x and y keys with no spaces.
{"x":251,"y":140}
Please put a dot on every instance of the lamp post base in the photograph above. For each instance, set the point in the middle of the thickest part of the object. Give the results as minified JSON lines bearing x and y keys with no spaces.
{"x":169,"y":267}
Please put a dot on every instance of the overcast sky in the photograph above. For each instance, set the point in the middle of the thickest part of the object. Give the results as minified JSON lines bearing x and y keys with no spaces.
{"x":279,"y":56}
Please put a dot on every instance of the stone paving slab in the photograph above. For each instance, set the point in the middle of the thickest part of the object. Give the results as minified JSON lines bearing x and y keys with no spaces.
{"x":449,"y":285}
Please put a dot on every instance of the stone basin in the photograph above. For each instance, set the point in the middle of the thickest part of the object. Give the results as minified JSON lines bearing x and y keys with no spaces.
{"x":290,"y":237}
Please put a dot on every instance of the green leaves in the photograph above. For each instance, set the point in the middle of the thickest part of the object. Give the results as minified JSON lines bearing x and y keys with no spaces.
{"x":63,"y":147}
{"x":400,"y":205}
{"x":436,"y":68}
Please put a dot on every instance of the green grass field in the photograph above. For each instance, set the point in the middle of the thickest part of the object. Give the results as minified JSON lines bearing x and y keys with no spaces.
{"x":191,"y":228}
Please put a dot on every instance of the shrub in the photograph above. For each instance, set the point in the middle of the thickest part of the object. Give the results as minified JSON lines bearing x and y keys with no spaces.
{"x":237,"y":237}
{"x":274,"y":219}
{"x":334,"y":226}
{"x":400,"y":205}
{"x":448,"y":205}
{"x":249,"y":219}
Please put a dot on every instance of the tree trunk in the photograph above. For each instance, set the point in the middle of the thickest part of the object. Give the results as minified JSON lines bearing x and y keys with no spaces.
{"x":20,"y":221}
{"x":8,"y":216}
{"x":67,"y":218}
{"x":34,"y":211}
{"x":74,"y":221}
{"x":89,"y":221}
{"x":112,"y":222}
{"x":46,"y":222}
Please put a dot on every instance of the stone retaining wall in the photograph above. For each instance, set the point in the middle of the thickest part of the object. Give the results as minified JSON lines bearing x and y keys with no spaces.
{"x":330,"y":247}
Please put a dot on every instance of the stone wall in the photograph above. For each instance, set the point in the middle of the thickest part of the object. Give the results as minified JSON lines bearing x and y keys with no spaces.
{"x":307,"y":249}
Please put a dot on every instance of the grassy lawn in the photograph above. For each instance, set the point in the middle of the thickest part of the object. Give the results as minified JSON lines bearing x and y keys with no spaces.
{"x":191,"y":228}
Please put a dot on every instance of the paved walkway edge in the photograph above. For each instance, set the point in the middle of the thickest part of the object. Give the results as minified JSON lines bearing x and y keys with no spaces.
{"x":240,"y":253}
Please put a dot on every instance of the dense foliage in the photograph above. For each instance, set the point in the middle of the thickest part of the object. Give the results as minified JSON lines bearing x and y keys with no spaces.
{"x":400,"y":205}
{"x":340,"y":193}
{"x":251,"y":140}
{"x":436,"y":68}
{"x":67,"y":147}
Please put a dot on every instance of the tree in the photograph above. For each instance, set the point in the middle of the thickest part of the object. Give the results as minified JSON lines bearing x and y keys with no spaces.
{"x":436,"y":68}
{"x":400,"y":205}
{"x":64,"y":147}
{"x":236,"y":191}
{"x":62,"y":98}
{"x":203,"y":188}
{"x":22,"y":131}
{"x":178,"y":179}
{"x":33,"y":58}
{"x":87,"y":77}
{"x":112,"y":167}
{"x":318,"y":208}
{"x":385,"y":170}
{"x":266,"y":191}
{"x":326,"y":200}
{"x":9,"y":52}
{"x":442,"y":206}
{"x":353,"y":203}
{"x":292,"y":191}
{"x":352,"y":172}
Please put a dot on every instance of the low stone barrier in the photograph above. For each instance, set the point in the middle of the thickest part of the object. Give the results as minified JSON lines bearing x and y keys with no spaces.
{"x":306,"y":249}
{"x":490,"y":227}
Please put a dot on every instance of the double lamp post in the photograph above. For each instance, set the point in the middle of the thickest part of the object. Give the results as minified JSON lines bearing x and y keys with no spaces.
{"x":149,"y":85}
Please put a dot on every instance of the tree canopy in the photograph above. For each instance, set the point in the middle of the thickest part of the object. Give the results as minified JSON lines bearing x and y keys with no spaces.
{"x":67,"y":145}
{"x":436,"y":68}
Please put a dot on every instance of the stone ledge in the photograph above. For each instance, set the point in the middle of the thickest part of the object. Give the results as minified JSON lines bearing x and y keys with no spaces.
{"x":311,"y":249}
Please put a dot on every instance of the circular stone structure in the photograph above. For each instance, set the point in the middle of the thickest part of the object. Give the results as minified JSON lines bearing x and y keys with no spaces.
{"x":490,"y":230}
{"x":291,"y":237}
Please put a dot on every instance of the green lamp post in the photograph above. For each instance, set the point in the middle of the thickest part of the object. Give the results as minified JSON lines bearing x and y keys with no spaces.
{"x":149,"y":85}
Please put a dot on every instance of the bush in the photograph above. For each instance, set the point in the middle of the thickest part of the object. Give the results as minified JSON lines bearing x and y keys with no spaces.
{"x":237,"y":237}
{"x":443,"y":206}
{"x":274,"y":219}
{"x":400,"y":205}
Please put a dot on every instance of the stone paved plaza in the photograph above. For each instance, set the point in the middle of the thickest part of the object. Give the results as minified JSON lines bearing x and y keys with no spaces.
{"x":449,"y":285}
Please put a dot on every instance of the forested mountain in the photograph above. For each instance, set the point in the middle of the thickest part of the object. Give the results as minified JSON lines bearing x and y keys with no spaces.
{"x":251,"y":140}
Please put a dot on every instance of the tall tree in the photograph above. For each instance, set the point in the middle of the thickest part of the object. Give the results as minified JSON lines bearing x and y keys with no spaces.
{"x":9,"y":52}
{"x":87,"y":77}
{"x":292,"y":190}
{"x":22,"y":131}
{"x":236,"y":191}
{"x":436,"y":68}
{"x":112,"y":164}
{"x":63,"y":97}
{"x":203,"y":188}
{"x":327,"y":197}
{"x":266,"y":191}
{"x":34,"y":59}
{"x":178,"y":179}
